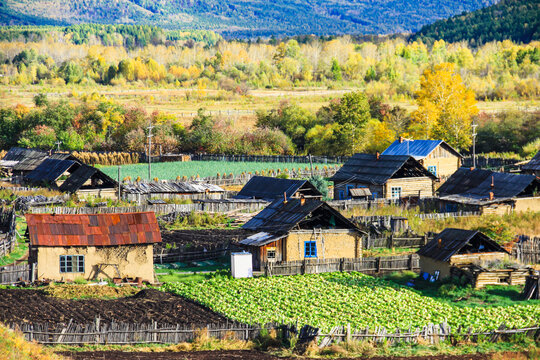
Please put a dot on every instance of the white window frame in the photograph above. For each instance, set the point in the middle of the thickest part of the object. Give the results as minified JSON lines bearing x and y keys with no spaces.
{"x":394,"y":190}
{"x":432,"y":169}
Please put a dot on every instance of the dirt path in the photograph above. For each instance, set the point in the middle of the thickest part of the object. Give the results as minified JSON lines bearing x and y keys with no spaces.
{"x":249,"y":355}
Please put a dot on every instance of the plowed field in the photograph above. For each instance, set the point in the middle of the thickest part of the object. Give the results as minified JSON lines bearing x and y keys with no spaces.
{"x":148,"y":305}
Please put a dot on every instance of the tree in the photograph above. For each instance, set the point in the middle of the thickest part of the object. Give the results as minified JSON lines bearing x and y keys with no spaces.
{"x":353,"y":108}
{"x":445,"y":107}
{"x":336,"y":70}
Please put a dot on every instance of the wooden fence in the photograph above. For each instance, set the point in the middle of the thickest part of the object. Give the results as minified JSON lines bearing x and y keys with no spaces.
{"x":271,"y":158}
{"x":396,"y":242}
{"x":485,"y":162}
{"x":8,"y":231}
{"x":527,"y":250}
{"x":15,"y":273}
{"x":122,"y":333}
{"x":373,"y":265}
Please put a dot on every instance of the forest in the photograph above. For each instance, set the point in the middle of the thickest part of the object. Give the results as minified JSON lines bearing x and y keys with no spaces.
{"x":243,"y":18}
{"x":517,"y":20}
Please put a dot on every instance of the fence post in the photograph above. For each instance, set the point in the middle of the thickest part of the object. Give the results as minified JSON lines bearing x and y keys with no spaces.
{"x":378,"y":264}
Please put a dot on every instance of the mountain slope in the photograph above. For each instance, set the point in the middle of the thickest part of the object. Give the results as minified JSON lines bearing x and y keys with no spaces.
{"x":518,"y":20}
{"x":249,"y":17}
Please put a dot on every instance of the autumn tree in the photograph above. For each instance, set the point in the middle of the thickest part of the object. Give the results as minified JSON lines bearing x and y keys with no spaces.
{"x":445,"y":107}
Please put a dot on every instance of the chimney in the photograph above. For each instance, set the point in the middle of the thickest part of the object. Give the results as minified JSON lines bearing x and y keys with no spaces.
{"x":302,"y":201}
{"x":401,"y":139}
{"x":491,"y":195}
{"x":472,"y":168}
{"x":284,"y":197}
{"x":378,"y":155}
{"x":492,"y":181}
{"x":439,"y":244}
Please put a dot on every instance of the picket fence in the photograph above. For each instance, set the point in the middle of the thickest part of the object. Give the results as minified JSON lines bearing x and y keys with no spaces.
{"x":386,"y":221}
{"x":15,"y":273}
{"x":271,"y":158}
{"x":99,"y":333}
{"x":485,"y":162}
{"x":372,"y":265}
{"x":527,"y":250}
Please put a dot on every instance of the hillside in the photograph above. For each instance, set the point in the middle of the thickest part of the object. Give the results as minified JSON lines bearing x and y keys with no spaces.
{"x":517,"y":20}
{"x":243,"y":17}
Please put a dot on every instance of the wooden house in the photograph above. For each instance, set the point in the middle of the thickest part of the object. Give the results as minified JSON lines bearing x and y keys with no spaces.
{"x":533,"y":166}
{"x":458,"y":248}
{"x":489,"y":192}
{"x":436,"y":156}
{"x":298,"y":229}
{"x":385,"y":176}
{"x":21,"y":161}
{"x":172,"y":190}
{"x":271,"y":188}
{"x":73,"y":177}
{"x":99,"y":246}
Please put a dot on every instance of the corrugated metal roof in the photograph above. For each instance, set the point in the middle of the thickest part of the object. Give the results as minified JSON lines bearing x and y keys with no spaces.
{"x":360,"y":192}
{"x":93,"y":230}
{"x":418,"y":149}
{"x":175,"y":187}
{"x":367,"y":169}
{"x":453,"y":241}
{"x":261,"y":239}
{"x":475,"y":185}
{"x":534,"y":164}
{"x":49,"y":171}
{"x":280,"y":217}
{"x":271,"y":188}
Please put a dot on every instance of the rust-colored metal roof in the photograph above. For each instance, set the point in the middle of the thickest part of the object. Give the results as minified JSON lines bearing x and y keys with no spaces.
{"x":93,"y":229}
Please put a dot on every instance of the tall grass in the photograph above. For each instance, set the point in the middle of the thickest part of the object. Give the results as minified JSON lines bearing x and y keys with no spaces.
{"x":13,"y":346}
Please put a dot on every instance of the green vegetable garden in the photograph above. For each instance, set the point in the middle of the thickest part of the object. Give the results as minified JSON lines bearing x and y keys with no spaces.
{"x":333,"y":299}
{"x":172,"y":170}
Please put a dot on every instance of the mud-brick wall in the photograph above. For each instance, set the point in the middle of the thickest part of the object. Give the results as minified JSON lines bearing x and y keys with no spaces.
{"x":331,"y":244}
{"x":527,"y":204}
{"x":411,"y":186}
{"x":132,"y":261}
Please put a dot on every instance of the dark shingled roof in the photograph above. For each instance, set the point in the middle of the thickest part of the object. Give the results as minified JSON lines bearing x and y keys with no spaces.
{"x":453,"y":241}
{"x":76,"y":180}
{"x":475,"y":185}
{"x":280,"y":217}
{"x":93,"y":230}
{"x":49,"y":170}
{"x":534,"y":164}
{"x":418,"y":149}
{"x":270,"y":188}
{"x":21,"y":159}
{"x":172,"y":187}
{"x":367,"y":169}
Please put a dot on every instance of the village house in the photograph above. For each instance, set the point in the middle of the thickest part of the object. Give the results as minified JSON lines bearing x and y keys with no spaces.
{"x":385,"y":176}
{"x":436,"y":156}
{"x":298,"y":229}
{"x":489,"y":192}
{"x":271,"y":188}
{"x":21,"y":161}
{"x":97,"y":246}
{"x":472,"y":256}
{"x":73,"y":177}
{"x":532,"y":167}
{"x":172,"y":190}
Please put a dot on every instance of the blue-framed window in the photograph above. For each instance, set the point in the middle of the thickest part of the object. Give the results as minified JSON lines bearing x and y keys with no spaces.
{"x":432,"y":169}
{"x":348,"y":191}
{"x":395,"y":192}
{"x":341,"y":195}
{"x":310,"y":249}
{"x":71,"y":263}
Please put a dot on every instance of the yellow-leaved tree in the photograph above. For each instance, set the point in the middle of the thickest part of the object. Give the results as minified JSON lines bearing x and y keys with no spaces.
{"x":445,"y":107}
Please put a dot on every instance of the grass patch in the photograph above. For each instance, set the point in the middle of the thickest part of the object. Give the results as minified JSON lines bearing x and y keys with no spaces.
{"x":21,"y":249}
{"x":376,"y":252}
{"x":198,"y":220}
{"x":14,"y":347}
{"x":193,"y":271}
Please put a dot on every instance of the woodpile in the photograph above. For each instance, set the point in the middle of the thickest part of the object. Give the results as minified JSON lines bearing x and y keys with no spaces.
{"x":532,"y":287}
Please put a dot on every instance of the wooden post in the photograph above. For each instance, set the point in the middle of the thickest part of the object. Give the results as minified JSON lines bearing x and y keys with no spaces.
{"x":348,"y":333}
{"x":378,"y":264}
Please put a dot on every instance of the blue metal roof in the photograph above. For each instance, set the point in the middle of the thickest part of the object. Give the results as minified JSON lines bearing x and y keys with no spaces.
{"x":418,"y":149}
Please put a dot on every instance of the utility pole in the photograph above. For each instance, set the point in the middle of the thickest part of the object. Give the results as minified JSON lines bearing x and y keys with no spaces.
{"x":474,"y":144}
{"x":119,"y":186}
{"x":150,"y":127}
{"x":311,"y":165}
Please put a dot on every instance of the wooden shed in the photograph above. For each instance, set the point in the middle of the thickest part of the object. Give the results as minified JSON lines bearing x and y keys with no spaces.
{"x":385,"y":176}
{"x":436,"y":156}
{"x":97,"y":246}
{"x":458,"y":248}
{"x":532,"y":167}
{"x":298,"y":229}
{"x":22,"y":161}
{"x":73,"y":177}
{"x":271,"y":188}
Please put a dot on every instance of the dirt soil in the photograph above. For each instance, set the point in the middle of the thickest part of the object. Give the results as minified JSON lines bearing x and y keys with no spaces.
{"x":148,"y":305}
{"x":200,"y":238}
{"x":237,"y":354}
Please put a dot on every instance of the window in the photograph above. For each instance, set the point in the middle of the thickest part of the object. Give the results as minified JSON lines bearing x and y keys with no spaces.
{"x":396,"y":192}
{"x":432,"y":169}
{"x":71,"y":263}
{"x":348,"y":190}
{"x":310,"y":249}
{"x":341,"y":195}
{"x":271,"y":254}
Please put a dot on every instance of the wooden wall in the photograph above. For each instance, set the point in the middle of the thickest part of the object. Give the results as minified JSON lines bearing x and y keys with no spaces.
{"x":417,"y":186}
